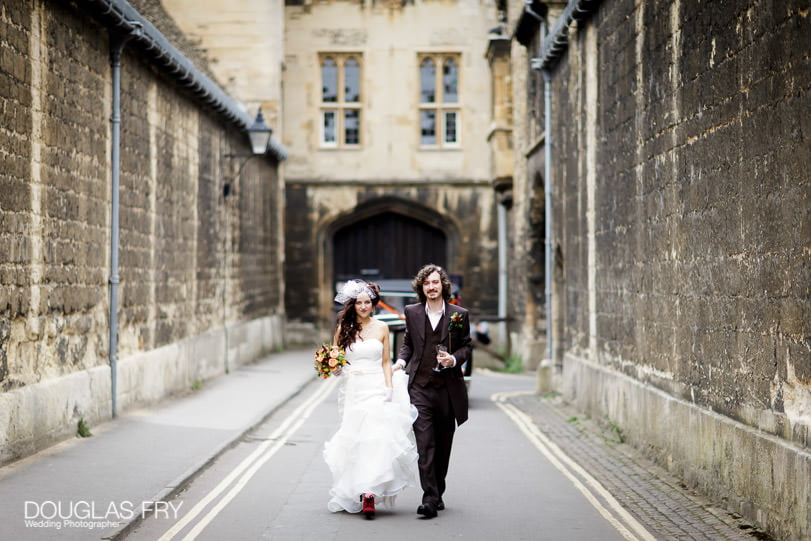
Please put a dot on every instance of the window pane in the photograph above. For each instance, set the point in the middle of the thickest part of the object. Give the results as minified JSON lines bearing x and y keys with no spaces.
{"x":352,"y":80}
{"x":329,"y":127}
{"x":450,"y":82}
{"x":450,"y":127}
{"x":427,"y":127}
{"x":427,"y":81}
{"x":329,"y":81}
{"x":352,"y":127}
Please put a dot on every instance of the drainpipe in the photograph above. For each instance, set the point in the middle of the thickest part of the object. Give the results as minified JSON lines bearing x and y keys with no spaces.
{"x":547,"y":189}
{"x":502,"y":274}
{"x":118,"y":43}
{"x":547,"y":185}
{"x":544,"y":383}
{"x":544,"y":372}
{"x":553,"y":44}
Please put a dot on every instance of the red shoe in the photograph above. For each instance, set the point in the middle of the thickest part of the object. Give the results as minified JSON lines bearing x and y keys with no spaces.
{"x":368,"y":505}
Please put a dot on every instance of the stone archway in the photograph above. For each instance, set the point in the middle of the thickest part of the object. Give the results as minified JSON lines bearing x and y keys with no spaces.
{"x":388,"y":245}
{"x":385,"y":237}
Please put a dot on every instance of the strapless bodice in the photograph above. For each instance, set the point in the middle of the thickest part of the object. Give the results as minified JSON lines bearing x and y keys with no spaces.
{"x":365,"y":354}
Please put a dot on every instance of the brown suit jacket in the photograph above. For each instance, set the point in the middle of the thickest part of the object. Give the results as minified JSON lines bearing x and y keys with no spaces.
{"x":414,"y":341}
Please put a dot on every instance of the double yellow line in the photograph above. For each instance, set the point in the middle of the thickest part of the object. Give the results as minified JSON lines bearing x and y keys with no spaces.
{"x":246,"y":469}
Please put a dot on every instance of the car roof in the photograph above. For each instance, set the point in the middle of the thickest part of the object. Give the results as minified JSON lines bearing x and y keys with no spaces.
{"x":394,"y":287}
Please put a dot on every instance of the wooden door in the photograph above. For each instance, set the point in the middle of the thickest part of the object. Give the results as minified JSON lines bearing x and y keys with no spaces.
{"x":387,"y":246}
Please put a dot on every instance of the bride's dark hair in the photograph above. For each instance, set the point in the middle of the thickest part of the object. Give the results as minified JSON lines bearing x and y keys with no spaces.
{"x":348,"y":320}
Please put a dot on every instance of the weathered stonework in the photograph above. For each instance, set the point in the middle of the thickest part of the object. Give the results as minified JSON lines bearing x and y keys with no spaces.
{"x":243,"y":43}
{"x":389,"y":172}
{"x":461,"y":211}
{"x":192,"y":263}
{"x":680,"y":163}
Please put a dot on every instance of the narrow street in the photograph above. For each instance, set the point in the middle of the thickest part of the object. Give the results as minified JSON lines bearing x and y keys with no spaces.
{"x":274,"y":484}
{"x":241,"y":459}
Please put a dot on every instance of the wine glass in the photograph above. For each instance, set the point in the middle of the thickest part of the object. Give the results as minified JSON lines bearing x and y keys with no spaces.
{"x":439,"y":348}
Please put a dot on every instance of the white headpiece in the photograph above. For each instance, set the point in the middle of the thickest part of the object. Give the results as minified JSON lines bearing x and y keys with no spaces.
{"x":352,"y":289}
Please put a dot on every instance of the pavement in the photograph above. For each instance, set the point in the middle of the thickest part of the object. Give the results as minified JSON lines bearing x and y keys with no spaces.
{"x":143,"y":458}
{"x":660,"y":502}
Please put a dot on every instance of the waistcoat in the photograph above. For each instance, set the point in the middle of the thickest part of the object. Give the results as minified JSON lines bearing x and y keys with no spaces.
{"x":426,"y":373}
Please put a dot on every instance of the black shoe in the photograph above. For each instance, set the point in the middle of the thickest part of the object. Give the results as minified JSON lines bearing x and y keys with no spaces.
{"x":428,"y":510}
{"x":440,"y":506}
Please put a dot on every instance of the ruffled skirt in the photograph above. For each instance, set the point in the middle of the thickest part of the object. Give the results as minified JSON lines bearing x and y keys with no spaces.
{"x":374,"y":450}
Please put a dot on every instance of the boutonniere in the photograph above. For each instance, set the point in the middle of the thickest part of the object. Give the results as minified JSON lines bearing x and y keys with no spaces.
{"x":454,"y":323}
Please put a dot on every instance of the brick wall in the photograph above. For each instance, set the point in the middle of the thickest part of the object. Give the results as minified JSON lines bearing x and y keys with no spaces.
{"x":190,"y":259}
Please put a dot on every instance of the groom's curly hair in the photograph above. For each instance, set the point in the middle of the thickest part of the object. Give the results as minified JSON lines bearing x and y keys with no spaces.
{"x":423,"y":273}
{"x":348,"y":322}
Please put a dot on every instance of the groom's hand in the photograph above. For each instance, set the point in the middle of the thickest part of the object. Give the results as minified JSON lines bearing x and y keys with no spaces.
{"x":399,"y":365}
{"x":446,"y":359}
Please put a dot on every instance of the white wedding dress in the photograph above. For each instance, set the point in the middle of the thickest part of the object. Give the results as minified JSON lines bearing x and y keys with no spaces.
{"x":374,"y":449}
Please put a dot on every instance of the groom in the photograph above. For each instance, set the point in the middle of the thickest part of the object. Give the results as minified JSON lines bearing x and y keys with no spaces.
{"x":435,"y":381}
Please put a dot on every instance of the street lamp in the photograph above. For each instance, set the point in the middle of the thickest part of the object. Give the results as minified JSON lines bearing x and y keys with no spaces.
{"x":259,"y":135}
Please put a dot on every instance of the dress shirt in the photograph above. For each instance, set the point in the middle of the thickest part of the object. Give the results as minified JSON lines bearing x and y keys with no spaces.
{"x":434,"y":317}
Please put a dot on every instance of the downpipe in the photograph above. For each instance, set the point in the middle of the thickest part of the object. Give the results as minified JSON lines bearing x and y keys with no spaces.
{"x":503,"y":330}
{"x":548,"y":255}
{"x":116,"y":48}
{"x":545,"y":370}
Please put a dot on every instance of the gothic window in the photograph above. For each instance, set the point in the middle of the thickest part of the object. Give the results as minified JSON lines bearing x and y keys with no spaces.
{"x":439,"y":100}
{"x":341,"y":106}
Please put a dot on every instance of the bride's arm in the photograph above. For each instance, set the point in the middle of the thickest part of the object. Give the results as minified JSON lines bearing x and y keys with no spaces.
{"x":340,"y":369}
{"x":386,"y":355}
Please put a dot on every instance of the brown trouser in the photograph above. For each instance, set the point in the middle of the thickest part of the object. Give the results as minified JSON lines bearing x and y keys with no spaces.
{"x":433,"y":431}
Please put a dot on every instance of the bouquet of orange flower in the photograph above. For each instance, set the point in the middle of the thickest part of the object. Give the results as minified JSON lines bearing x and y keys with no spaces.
{"x":328,"y":359}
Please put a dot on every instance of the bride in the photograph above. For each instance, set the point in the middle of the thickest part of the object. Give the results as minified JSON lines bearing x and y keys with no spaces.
{"x":373,"y":455}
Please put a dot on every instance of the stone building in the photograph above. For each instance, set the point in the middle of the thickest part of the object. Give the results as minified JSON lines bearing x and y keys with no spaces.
{"x":387,"y":110}
{"x":672,"y":139}
{"x":199,"y":276}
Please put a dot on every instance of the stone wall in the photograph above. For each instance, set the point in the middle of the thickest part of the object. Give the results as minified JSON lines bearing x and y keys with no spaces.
{"x":680,"y":172}
{"x":193,"y":264}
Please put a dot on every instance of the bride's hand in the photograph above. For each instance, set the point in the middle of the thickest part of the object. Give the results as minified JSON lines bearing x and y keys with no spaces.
{"x":388,"y":391}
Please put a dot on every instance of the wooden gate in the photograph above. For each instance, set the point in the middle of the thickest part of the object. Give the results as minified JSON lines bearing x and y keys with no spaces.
{"x":386,"y":246}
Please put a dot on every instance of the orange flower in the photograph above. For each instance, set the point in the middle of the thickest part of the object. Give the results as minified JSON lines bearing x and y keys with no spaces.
{"x":328,"y":359}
